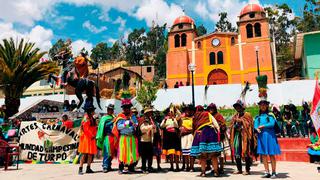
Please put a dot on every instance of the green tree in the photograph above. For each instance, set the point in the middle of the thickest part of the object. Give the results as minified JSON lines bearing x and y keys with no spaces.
{"x":147,"y":93}
{"x":101,"y":52}
{"x":115,"y":51}
{"x":201,"y":30}
{"x":19,"y":69}
{"x":282,"y":27}
{"x":136,"y":46}
{"x":59,"y":46}
{"x":310,"y":21}
{"x":155,"y":38}
{"x":224,"y":25}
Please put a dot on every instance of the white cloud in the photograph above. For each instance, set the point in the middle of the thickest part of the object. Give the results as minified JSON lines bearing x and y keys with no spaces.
{"x":122,"y":23}
{"x":210,"y":9}
{"x":112,"y":40}
{"x":159,"y":11}
{"x":39,"y":35}
{"x":93,"y":28}
{"x":79,"y":44}
{"x":27,"y":12}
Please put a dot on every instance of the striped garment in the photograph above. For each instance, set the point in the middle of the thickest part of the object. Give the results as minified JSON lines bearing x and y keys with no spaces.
{"x":128,"y":149}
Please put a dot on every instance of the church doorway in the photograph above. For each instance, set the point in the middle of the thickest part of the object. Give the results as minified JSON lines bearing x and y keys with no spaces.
{"x":217,"y":76}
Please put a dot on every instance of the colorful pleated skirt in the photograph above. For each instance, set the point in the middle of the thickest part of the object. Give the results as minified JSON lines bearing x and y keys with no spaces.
{"x":171,"y":143}
{"x":128,"y":149}
{"x":109,"y":146}
{"x":205,"y":142}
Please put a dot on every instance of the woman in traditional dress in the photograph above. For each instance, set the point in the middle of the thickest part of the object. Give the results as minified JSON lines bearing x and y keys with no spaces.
{"x":87,"y":143}
{"x":171,"y":138}
{"x":242,"y":139}
{"x":186,"y":137}
{"x":268,"y":145}
{"x":206,"y":145}
{"x":125,"y":131}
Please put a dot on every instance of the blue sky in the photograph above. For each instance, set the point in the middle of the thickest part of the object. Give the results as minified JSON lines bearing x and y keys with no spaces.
{"x":88,"y":22}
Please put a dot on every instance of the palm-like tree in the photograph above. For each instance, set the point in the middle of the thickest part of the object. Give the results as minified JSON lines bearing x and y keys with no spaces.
{"x":20,"y":68}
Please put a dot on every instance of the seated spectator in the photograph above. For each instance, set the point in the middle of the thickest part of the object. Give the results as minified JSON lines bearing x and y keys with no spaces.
{"x":65,"y":121}
{"x":181,"y":84}
{"x":73,"y":105}
{"x":176,"y":85}
{"x":66,"y":106}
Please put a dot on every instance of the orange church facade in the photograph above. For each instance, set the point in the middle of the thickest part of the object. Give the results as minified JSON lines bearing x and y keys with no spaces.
{"x":221,"y":57}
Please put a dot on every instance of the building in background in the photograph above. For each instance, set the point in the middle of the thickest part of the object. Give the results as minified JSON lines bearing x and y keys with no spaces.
{"x":221,"y":57}
{"x":307,"y":53}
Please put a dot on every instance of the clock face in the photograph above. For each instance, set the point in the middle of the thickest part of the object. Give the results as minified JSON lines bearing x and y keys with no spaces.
{"x":215,"y":42}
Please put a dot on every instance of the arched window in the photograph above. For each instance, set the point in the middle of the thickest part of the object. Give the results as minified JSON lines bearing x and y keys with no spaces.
{"x":249,"y":31}
{"x":199,"y":45}
{"x":212,"y":57}
{"x":233,"y":40}
{"x":183,"y":40}
{"x":220,"y":57}
{"x":177,"y":40}
{"x":257,"y":29}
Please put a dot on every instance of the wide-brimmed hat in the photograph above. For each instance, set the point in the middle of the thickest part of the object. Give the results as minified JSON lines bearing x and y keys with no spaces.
{"x":110,"y":106}
{"x":133,"y":109}
{"x":239,"y":103}
{"x":147,"y":109}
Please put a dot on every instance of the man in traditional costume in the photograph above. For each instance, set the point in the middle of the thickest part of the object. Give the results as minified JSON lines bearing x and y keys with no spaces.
{"x":105,"y":138}
{"x":125,"y":131}
{"x":147,"y":130}
{"x":242,"y":138}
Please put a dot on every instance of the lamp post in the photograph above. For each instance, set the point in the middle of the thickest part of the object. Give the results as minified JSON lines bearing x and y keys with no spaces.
{"x":192,"y":68}
{"x":257,"y":56}
{"x":141,"y":62}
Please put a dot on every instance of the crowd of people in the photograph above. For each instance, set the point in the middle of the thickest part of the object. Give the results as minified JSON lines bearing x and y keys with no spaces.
{"x":292,"y":122}
{"x":186,"y":134}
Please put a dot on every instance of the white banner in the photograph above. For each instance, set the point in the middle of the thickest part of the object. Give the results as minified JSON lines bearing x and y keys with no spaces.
{"x":47,"y":142}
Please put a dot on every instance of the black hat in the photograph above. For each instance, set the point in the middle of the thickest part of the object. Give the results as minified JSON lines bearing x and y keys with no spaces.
{"x":263,"y":101}
{"x":239,"y":103}
{"x":110,"y":106}
{"x":88,"y":107}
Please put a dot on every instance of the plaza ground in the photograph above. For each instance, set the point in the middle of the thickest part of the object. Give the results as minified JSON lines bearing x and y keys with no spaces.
{"x":286,"y":170}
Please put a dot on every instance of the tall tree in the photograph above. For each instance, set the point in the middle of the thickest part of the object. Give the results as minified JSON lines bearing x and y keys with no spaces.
{"x":19,"y":69}
{"x":115,"y":51}
{"x":310,"y":21}
{"x":224,"y":25}
{"x":201,"y":30}
{"x":60,"y":45}
{"x":101,"y":52}
{"x":136,"y":46}
{"x":282,"y":26}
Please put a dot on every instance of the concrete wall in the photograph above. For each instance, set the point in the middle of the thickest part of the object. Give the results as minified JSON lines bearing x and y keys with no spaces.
{"x":225,"y":95}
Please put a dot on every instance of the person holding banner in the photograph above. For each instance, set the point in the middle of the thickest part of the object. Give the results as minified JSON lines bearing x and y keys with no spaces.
{"x":125,"y":132}
{"x":87,"y":143}
{"x":105,"y":138}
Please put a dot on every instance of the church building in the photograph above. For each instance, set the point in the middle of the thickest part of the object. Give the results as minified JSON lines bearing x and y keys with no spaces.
{"x":221,"y":57}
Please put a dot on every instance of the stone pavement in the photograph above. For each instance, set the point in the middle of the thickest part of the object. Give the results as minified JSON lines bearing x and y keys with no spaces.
{"x":286,"y":170}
